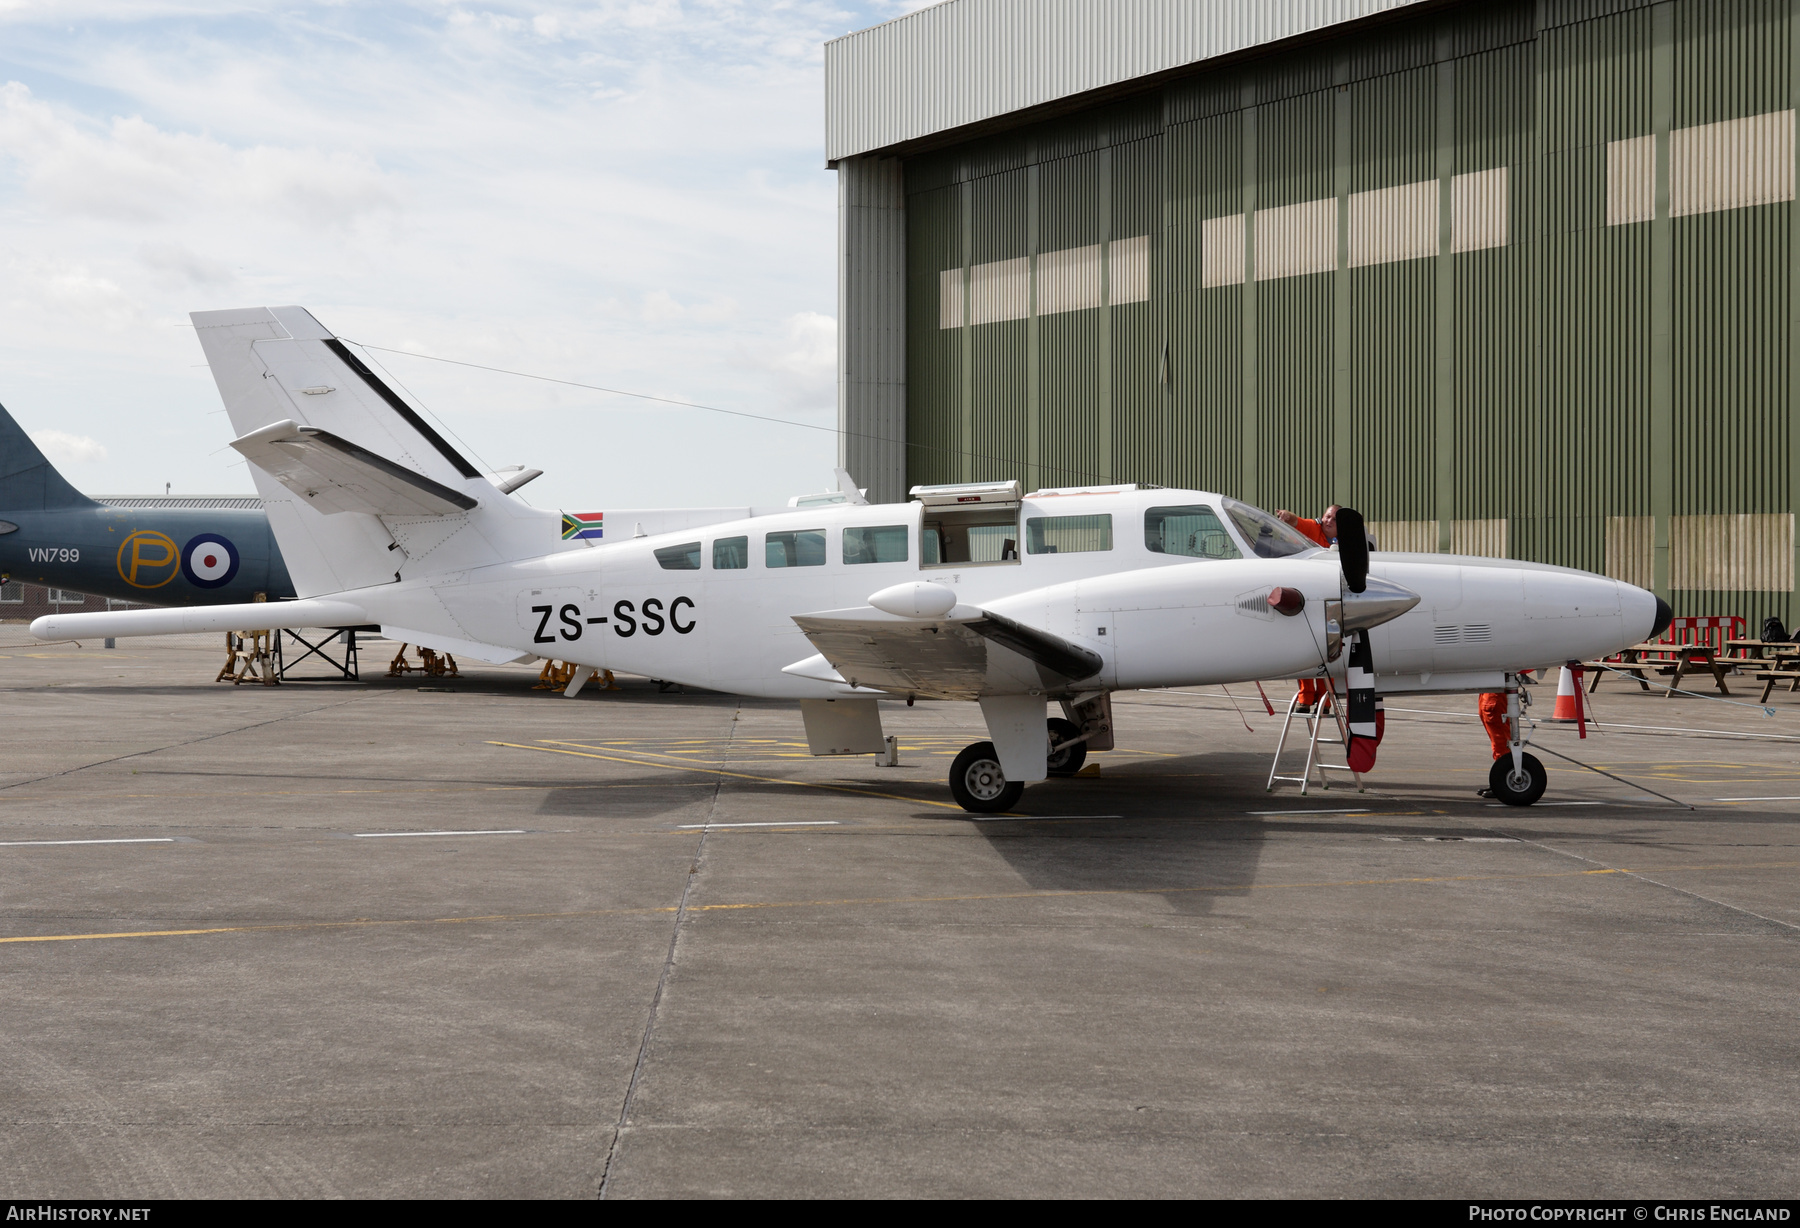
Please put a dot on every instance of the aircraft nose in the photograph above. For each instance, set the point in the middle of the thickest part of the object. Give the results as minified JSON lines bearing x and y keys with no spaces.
{"x":1664,"y":616}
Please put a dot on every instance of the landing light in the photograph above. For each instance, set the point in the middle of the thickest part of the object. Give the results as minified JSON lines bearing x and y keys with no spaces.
{"x":1289,"y":601}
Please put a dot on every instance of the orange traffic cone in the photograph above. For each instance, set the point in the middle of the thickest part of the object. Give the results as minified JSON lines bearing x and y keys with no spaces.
{"x":1568,"y":702}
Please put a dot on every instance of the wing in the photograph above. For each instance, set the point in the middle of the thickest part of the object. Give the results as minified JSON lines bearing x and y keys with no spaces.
{"x":970,"y":654}
{"x":335,"y":475}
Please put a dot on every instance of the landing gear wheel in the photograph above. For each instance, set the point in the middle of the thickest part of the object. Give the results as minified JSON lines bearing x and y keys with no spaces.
{"x":978,"y":784}
{"x":1068,"y":760}
{"x":1519,"y":789}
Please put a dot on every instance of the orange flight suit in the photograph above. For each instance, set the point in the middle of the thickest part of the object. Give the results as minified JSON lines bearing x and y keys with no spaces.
{"x":1311,"y":529}
{"x":1493,"y":719}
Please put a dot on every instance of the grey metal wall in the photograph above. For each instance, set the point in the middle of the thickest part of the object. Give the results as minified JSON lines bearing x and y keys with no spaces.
{"x":965,"y":61}
{"x":872,"y":325}
{"x":1514,"y":278}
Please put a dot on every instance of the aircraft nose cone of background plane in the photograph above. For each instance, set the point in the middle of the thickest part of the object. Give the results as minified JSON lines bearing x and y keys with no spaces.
{"x":1380,"y":601}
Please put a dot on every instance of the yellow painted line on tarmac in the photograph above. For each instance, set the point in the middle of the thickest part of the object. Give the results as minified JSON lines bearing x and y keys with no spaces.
{"x":367,"y":923}
{"x":772,"y":780}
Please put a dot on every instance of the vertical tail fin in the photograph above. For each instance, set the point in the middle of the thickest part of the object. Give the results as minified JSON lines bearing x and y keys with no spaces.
{"x":28,"y":481}
{"x":360,"y":489}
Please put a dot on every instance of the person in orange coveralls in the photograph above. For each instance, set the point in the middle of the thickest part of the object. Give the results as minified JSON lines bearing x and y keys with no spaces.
{"x":1324,"y":532}
{"x":1493,"y":719}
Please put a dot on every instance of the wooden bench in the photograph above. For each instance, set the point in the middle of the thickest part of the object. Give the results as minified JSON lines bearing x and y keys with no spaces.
{"x":1769,"y":677}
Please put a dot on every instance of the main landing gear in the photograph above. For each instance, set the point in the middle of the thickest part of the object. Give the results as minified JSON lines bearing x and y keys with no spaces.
{"x":979,"y":784}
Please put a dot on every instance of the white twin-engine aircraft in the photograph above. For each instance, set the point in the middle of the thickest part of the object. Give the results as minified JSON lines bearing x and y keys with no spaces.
{"x":971,"y":592}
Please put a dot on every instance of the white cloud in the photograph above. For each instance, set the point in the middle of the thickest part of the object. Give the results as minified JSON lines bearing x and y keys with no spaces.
{"x":623,"y":193}
{"x":63,"y":448}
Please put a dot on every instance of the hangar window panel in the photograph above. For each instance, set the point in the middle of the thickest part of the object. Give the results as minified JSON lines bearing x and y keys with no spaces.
{"x":1478,"y":210}
{"x":731,"y":554}
{"x":1000,"y":291}
{"x":1068,"y":534}
{"x":1192,"y":530}
{"x":987,"y":534}
{"x":12,"y":594}
{"x":801,"y":548}
{"x":1222,"y":251}
{"x":885,"y":543}
{"x":1294,"y":240}
{"x":1129,"y":274}
{"x":1630,"y":180}
{"x":1068,"y":280}
{"x":1391,"y":224}
{"x":685,"y":557}
{"x":63,"y":596}
{"x":1731,"y":165}
{"x":950,"y":298}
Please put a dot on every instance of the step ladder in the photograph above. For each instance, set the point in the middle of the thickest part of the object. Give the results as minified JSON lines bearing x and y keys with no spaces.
{"x":1335,"y":734}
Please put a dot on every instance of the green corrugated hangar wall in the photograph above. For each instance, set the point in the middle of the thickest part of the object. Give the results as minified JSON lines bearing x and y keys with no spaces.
{"x":1511,"y":278}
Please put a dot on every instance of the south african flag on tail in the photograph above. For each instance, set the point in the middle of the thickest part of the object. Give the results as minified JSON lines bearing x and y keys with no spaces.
{"x":578,"y":525}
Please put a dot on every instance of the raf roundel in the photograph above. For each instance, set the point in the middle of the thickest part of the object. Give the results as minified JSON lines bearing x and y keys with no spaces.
{"x":209,"y":561}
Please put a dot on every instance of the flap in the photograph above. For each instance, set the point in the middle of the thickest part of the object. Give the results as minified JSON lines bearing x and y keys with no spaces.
{"x":949,"y":658}
{"x":335,"y":475}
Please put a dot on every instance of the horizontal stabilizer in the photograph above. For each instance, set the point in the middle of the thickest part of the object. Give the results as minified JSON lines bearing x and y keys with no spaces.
{"x":334,"y":475}
{"x":248,"y":616}
{"x":953,"y":657}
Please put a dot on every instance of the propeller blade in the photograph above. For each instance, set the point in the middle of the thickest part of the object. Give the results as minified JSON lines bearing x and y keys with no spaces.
{"x":1353,"y":548}
{"x":1365,"y":709}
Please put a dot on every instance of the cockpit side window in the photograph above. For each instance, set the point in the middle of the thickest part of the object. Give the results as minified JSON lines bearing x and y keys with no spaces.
{"x":1192,"y":530}
{"x":1268,"y":537}
{"x":685,"y":557}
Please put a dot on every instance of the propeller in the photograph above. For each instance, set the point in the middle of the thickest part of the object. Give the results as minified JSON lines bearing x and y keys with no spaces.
{"x":1365,"y":705}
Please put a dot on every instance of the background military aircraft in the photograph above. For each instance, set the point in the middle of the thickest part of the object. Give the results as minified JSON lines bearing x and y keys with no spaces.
{"x":51,"y":533}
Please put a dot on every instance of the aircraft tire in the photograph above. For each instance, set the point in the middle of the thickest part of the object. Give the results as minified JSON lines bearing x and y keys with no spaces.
{"x":1517,"y":792}
{"x":978,"y":784}
{"x":1067,"y":761}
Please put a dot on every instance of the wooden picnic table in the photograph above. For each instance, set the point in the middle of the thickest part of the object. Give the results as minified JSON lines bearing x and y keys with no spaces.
{"x":1676,"y":659}
{"x":1782,"y":665}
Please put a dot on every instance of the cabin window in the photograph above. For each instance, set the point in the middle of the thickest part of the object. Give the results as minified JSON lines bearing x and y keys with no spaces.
{"x":1268,"y":537}
{"x":1193,"y":531}
{"x":983,"y":534}
{"x":1068,"y":534}
{"x":731,"y":554}
{"x":685,"y":557}
{"x":883,"y":543}
{"x":801,"y":548}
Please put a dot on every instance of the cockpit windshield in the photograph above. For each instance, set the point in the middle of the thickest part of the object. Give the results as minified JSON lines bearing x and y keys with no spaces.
{"x":1268,"y":537}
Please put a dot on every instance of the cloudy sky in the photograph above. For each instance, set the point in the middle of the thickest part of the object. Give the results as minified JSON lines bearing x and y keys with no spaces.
{"x":629,"y":194}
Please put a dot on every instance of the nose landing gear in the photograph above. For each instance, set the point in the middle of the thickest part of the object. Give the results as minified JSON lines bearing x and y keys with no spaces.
{"x":1517,"y":779}
{"x":1518,"y":786}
